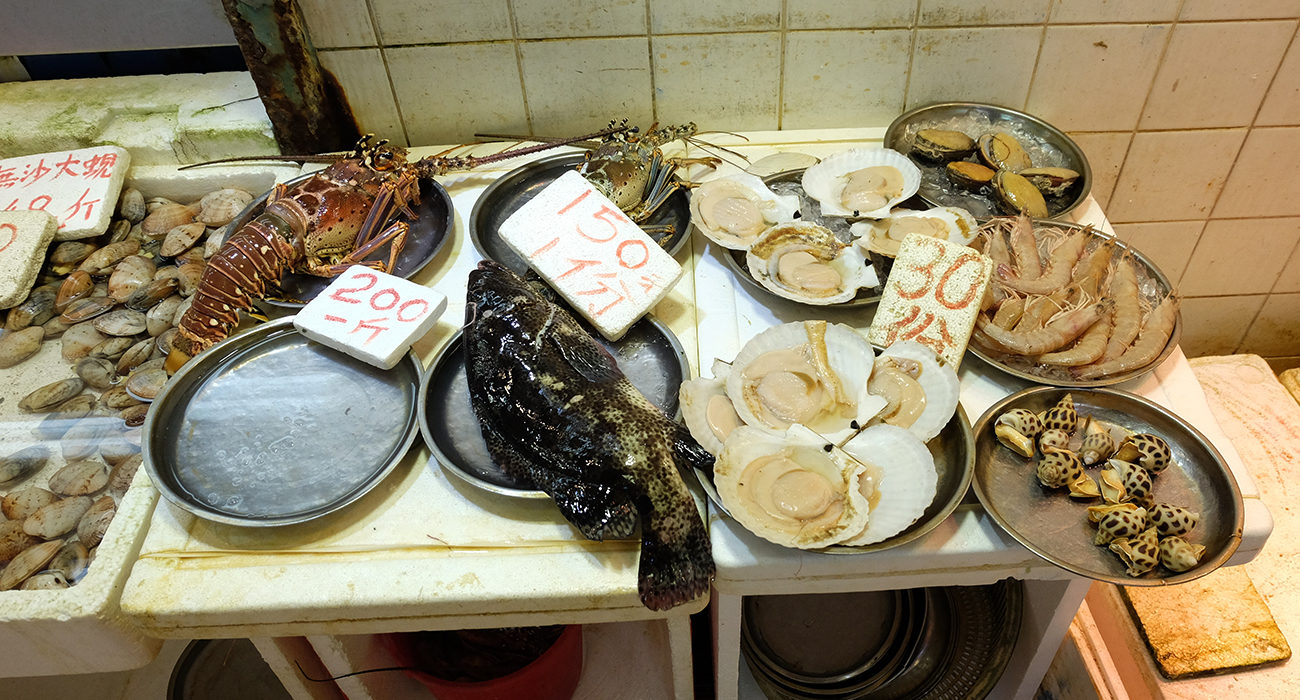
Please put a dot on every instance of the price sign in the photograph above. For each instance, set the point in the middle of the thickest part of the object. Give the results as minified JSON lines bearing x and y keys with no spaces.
{"x":79,"y":188}
{"x":601,"y":262}
{"x":370,"y":315}
{"x":932,"y":296}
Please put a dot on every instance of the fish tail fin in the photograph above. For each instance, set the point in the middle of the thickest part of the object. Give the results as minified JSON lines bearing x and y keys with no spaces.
{"x":676,"y":572}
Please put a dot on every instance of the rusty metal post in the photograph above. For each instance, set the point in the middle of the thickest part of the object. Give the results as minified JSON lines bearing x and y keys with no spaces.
{"x":307,"y":109}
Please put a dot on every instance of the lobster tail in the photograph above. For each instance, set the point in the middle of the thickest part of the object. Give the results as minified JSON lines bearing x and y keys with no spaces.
{"x":252,"y":261}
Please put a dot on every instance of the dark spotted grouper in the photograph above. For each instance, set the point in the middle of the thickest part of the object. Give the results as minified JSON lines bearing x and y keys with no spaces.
{"x":555,"y":408}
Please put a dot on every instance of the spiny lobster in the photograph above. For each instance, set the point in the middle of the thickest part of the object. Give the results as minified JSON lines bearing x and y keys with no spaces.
{"x":320,"y":226}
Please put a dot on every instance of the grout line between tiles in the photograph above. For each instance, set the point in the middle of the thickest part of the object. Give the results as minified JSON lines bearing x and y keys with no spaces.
{"x":911,"y":55}
{"x":783,"y":28}
{"x":388,"y":71}
{"x":650,"y":51}
{"x":519,"y":66}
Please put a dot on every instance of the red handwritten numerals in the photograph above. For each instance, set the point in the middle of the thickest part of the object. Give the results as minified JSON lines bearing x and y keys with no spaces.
{"x":612,"y":270}
{"x":944,"y":289}
{"x":387,"y":300}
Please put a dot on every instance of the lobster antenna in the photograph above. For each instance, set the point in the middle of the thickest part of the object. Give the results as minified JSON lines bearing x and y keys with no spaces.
{"x":320,"y":158}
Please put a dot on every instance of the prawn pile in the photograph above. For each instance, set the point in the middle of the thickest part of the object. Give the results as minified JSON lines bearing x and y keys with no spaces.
{"x":1067,"y":303}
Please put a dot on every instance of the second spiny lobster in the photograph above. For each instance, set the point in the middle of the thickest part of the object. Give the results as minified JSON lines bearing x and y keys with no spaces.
{"x":320,"y":226}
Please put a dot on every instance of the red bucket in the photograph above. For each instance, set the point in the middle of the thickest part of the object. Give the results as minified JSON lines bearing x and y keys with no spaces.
{"x":553,"y":675}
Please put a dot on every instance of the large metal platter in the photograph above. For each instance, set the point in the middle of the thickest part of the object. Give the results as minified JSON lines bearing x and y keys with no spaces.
{"x":429,"y":231}
{"x":953,"y":450}
{"x":790,"y":182}
{"x":1056,"y":528}
{"x":270,"y":428}
{"x":516,"y":188}
{"x":648,"y":354}
{"x":1047,"y":146}
{"x":1152,"y":285}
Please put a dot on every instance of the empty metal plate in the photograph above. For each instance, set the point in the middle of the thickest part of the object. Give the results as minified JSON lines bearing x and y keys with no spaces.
{"x":516,"y":188}
{"x":270,"y":428}
{"x":648,"y":354}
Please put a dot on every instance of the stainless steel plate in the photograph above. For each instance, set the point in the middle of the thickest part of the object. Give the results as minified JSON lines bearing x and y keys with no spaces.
{"x":1152,"y":285}
{"x":648,"y":354}
{"x":429,"y":231}
{"x":953,"y":450}
{"x":516,"y":188}
{"x":788,"y":182}
{"x":270,"y":428}
{"x":1047,"y":146}
{"x":1056,"y":528}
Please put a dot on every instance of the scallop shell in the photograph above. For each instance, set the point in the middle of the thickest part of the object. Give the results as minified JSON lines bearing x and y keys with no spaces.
{"x":1140,"y":553}
{"x":1119,"y":524}
{"x":885,"y":236}
{"x":937,"y":380}
{"x":837,"y":362}
{"x":789,"y":489}
{"x":828,"y":181}
{"x":1017,"y":429}
{"x":1148,"y":451}
{"x":900,"y":473}
{"x":1058,"y":468}
{"x":806,"y":262}
{"x":733,"y":210}
{"x":1170,"y":520}
{"x":707,"y":410}
{"x":1177,"y":554}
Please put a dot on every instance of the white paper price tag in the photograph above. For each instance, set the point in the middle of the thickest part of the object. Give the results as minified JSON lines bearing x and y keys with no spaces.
{"x":601,"y":262}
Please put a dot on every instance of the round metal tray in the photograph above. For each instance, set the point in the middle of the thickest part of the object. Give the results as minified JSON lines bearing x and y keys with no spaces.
{"x":953,"y":450}
{"x":516,"y":188}
{"x":649,"y":355}
{"x":429,"y":231}
{"x":1055,"y":527}
{"x":269,"y":428}
{"x":1153,"y":286}
{"x":809,"y":211}
{"x":1051,"y":146}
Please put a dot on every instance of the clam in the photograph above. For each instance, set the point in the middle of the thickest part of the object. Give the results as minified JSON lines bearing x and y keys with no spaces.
{"x":1140,"y":553}
{"x":789,"y":488}
{"x":131,"y":273}
{"x":942,"y":144}
{"x":707,"y":411}
{"x":71,"y":560}
{"x":218,"y":208}
{"x":1017,"y":429}
{"x":167,"y":217}
{"x":87,"y":308}
{"x":52,"y":394}
{"x":971,"y":176}
{"x":1151,"y":452}
{"x":806,"y":262}
{"x":78,"y":285}
{"x":95,"y":521}
{"x":55,"y":424}
{"x":145,"y":384}
{"x":101,"y":262}
{"x":160,"y":316}
{"x":79,"y":478}
{"x":13,"y":540}
{"x":134,"y":356}
{"x":45,"y":581}
{"x":1177,"y":554}
{"x":1017,"y":194}
{"x":733,"y":210}
{"x":1058,"y":468}
{"x":920,"y":390}
{"x":79,"y":340}
{"x":20,"y":503}
{"x":131,"y":205}
{"x":1001,"y":151}
{"x":133,"y":416}
{"x":121,"y":322}
{"x":99,"y":373}
{"x":181,"y":238}
{"x":885,"y":236}
{"x":119,"y":479}
{"x":16,"y":346}
{"x":57,"y":518}
{"x":70,"y":253}
{"x":1119,"y":524}
{"x":862,"y":182}
{"x":152,"y":293}
{"x":36,"y":309}
{"x":30,"y":561}
{"x":112,"y":347}
{"x":811,"y":373}
{"x":899,"y":482}
{"x":1172,"y":520}
{"x":1052,"y":182}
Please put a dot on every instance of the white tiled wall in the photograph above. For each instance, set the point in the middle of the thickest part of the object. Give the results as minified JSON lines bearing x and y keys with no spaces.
{"x":1189,"y":110}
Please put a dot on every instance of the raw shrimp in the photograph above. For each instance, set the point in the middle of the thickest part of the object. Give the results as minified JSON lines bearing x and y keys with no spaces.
{"x":1150,"y":342}
{"x":1091,"y":271}
{"x":1087,"y":348}
{"x":1123,"y":288}
{"x":1009,"y":311}
{"x":1055,"y":276}
{"x":1024,"y":248}
{"x":1061,"y":330}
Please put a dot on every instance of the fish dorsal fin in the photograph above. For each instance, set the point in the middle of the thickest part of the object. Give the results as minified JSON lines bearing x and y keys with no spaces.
{"x":584,"y":354}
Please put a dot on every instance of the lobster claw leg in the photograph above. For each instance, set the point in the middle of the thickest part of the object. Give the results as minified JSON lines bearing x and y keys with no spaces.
{"x":395,"y":233}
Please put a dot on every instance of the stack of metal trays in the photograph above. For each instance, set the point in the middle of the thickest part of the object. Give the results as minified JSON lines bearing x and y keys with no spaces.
{"x":951,"y":642}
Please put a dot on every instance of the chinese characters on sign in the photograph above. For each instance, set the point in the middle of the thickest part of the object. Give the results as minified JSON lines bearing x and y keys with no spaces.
{"x":603,"y":264}
{"x":79,"y":188}
{"x":932,"y":296}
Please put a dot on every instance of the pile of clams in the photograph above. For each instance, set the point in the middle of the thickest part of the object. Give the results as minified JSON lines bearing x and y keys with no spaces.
{"x":818,"y":440}
{"x":1142,"y":532}
{"x":93,"y":333}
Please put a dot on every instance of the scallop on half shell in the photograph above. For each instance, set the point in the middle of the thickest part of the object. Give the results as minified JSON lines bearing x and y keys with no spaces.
{"x":862,"y":182}
{"x":806,"y":262}
{"x":707,"y":410}
{"x":734,"y":209}
{"x":885,"y":236}
{"x":793,"y":489}
{"x":920,"y":388}
{"x":899,"y":480}
{"x":811,"y":373}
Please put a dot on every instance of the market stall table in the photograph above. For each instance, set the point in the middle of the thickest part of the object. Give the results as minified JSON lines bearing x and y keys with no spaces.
{"x":425,"y":551}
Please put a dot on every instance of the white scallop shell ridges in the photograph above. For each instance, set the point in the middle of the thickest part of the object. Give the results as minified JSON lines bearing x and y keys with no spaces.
{"x":940,"y":382}
{"x":885,"y":236}
{"x":733,"y":210}
{"x":906,"y":480}
{"x":851,"y":269}
{"x":825,"y":181}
